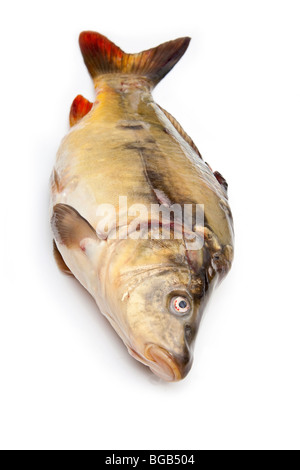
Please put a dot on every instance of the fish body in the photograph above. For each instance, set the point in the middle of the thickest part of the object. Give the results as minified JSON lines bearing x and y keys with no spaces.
{"x":125,"y":155}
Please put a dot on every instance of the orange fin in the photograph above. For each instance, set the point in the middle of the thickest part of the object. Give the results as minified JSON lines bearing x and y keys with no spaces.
{"x":60,"y":261}
{"x":181,"y":131}
{"x":69,"y":227}
{"x":80,"y":107}
{"x":101,"y":56}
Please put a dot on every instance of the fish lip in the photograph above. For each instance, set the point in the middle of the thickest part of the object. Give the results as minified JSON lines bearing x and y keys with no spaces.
{"x":162,"y":363}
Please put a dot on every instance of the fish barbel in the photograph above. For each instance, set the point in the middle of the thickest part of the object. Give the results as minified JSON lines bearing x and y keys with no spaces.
{"x":123,"y":156}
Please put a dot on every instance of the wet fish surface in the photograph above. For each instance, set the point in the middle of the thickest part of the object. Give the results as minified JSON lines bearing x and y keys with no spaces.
{"x":123,"y":157}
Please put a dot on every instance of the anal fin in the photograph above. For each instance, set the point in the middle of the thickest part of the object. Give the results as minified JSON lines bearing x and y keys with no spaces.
{"x":80,"y":108}
{"x":60,"y":261}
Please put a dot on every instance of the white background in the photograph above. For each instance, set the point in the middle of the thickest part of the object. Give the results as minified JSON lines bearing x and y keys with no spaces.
{"x":67,"y":381}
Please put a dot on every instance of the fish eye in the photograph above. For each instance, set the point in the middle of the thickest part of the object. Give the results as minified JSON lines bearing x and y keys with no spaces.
{"x":180,"y":305}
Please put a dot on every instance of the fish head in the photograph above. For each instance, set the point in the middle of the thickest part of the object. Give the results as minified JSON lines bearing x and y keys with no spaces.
{"x":157,"y":303}
{"x":162,"y":319}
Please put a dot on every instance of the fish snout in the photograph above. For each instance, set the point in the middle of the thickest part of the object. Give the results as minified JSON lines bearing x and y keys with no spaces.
{"x":166,"y":366}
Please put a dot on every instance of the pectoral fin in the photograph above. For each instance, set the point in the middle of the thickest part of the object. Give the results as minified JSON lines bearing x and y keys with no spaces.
{"x":70,"y":228}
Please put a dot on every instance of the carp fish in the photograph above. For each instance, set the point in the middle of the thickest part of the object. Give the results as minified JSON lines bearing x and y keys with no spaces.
{"x":123,"y":157}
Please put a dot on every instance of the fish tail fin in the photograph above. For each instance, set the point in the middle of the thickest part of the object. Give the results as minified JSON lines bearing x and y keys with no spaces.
{"x":101,"y":56}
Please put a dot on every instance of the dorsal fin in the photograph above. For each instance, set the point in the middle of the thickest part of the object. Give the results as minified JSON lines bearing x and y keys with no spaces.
{"x":221,"y":180}
{"x":102,"y":56}
{"x":180,"y":130}
{"x":80,"y":107}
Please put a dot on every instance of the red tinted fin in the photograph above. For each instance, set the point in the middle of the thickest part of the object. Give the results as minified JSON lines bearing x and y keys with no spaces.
{"x":102,"y":56}
{"x":80,"y":107}
{"x":221,"y":180}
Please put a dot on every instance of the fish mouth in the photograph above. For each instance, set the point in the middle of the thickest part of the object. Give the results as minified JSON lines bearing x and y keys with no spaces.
{"x":162,"y":363}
